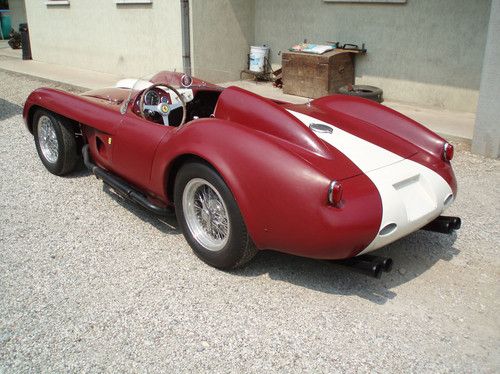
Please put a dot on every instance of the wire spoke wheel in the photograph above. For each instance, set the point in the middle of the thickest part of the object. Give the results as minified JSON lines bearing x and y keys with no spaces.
{"x":209,"y":217}
{"x":206,"y":214}
{"x":48,"y":139}
{"x":55,"y":141}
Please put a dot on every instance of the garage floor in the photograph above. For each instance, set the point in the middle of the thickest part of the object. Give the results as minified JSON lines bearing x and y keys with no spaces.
{"x":92,"y":283}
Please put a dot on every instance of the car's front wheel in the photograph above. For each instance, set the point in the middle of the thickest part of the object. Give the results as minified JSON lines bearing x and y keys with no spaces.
{"x":55,"y":142}
{"x":210,"y":218}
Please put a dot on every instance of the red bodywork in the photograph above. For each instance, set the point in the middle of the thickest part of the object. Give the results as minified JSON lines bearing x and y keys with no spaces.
{"x":277,"y":169}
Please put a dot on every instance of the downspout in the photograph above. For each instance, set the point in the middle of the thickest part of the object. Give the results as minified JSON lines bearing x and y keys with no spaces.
{"x":186,"y":42}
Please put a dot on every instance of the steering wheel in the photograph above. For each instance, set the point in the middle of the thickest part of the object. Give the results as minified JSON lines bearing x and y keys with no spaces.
{"x":163,"y":109}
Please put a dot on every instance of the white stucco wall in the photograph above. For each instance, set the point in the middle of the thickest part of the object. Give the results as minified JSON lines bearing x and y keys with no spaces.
{"x":127,"y":40}
{"x":487,"y":130}
{"x":221,"y":33}
{"x":424,"y":51}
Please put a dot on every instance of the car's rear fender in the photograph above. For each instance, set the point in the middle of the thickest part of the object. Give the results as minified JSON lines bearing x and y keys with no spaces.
{"x":281,"y":195}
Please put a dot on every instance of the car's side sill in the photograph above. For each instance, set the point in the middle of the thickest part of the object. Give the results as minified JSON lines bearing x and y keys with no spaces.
{"x":122,"y":187}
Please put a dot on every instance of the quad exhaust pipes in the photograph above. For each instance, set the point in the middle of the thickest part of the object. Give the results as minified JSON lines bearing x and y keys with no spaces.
{"x":444,"y":224}
{"x":120,"y":186}
{"x":370,"y":265}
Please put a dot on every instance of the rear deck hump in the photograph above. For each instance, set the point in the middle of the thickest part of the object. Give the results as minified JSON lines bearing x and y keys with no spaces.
{"x":261,"y":114}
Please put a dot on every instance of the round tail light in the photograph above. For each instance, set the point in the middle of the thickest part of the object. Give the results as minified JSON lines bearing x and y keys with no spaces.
{"x":448,"y":152}
{"x":335,"y":191}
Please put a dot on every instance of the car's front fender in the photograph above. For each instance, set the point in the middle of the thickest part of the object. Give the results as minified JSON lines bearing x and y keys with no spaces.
{"x":73,"y":107}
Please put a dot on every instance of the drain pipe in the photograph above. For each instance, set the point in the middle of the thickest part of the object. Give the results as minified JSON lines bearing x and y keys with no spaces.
{"x":186,"y":37}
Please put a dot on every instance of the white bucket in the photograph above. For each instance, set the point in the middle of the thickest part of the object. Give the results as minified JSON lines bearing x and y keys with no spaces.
{"x":258,"y":55}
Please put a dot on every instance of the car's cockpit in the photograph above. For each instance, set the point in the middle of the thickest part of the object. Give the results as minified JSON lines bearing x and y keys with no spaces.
{"x":160,"y":101}
{"x":170,"y":98}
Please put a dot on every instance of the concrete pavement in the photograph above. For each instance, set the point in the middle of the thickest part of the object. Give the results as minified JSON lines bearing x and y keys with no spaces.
{"x":10,"y":60}
{"x":444,"y":122}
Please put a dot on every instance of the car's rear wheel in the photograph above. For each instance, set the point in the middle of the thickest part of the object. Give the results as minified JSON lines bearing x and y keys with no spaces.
{"x":210,"y":218}
{"x":55,"y":142}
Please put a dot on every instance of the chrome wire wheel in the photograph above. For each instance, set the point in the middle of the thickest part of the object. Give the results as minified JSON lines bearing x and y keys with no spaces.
{"x":206,"y":214}
{"x":48,"y":139}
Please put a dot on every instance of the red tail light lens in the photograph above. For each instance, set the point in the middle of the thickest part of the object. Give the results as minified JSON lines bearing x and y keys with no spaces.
{"x":448,"y":152}
{"x":335,"y":191}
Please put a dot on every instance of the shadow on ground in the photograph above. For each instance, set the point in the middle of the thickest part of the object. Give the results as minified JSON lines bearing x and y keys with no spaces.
{"x":8,"y":109}
{"x":412,"y":255}
{"x":80,"y":172}
{"x":166,"y":224}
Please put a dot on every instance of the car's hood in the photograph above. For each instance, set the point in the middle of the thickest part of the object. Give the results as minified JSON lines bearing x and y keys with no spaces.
{"x":111,"y":95}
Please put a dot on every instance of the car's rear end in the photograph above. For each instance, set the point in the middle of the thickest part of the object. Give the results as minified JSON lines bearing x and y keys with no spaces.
{"x":415,"y":180}
{"x":340,"y":179}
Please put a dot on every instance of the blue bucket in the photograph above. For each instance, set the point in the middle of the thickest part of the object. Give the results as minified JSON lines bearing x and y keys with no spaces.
{"x":6,"y":25}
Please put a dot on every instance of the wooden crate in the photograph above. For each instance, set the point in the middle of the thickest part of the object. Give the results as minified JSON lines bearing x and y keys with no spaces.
{"x":310,"y":75}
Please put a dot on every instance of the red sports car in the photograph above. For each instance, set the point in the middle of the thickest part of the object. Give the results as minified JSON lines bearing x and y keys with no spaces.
{"x":335,"y":178}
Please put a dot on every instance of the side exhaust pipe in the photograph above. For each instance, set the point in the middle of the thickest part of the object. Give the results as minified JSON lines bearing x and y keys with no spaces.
{"x":370,"y":265}
{"x":120,"y":186}
{"x":444,"y":225}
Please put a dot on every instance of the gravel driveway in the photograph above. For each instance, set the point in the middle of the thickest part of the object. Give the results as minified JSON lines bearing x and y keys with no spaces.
{"x":91,"y":283}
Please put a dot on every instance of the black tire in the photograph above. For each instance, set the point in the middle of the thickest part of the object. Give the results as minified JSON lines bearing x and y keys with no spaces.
{"x":367,"y":92}
{"x":67,"y":156}
{"x":238,"y":249}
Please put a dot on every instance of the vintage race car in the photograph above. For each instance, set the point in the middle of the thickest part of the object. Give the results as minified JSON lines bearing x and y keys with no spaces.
{"x":335,"y":178}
